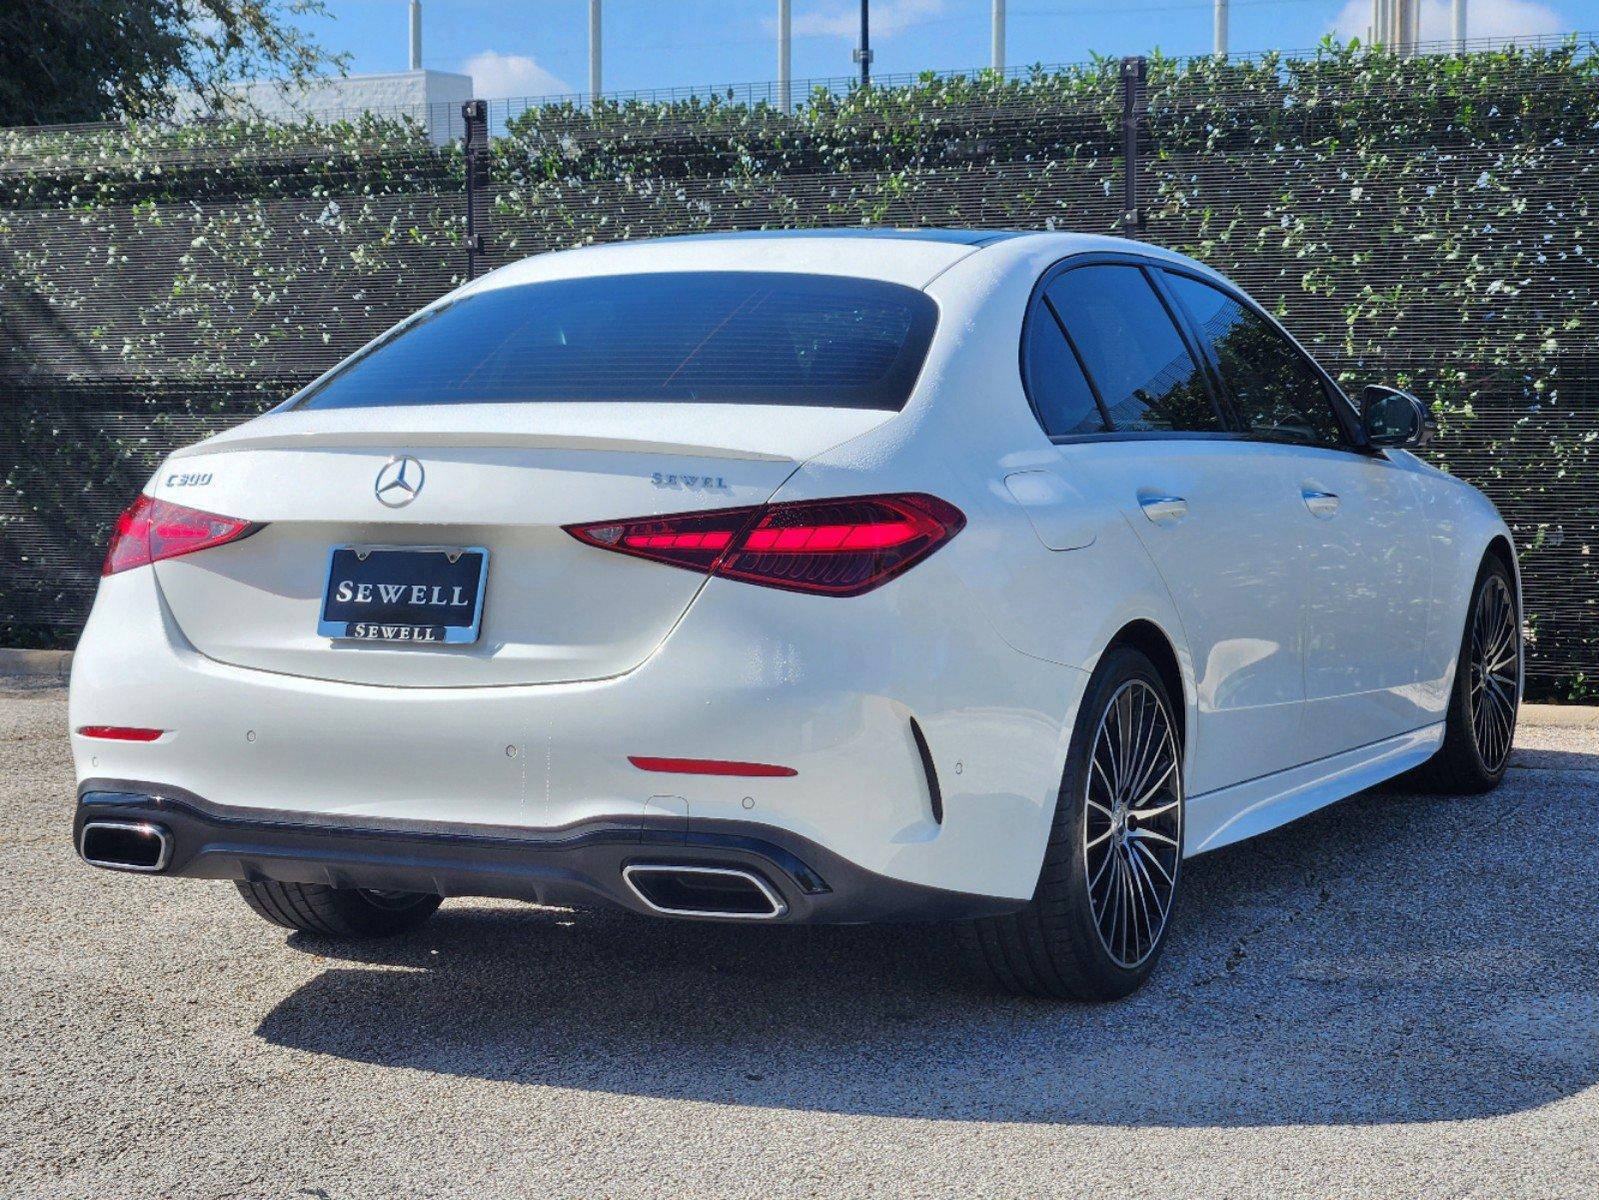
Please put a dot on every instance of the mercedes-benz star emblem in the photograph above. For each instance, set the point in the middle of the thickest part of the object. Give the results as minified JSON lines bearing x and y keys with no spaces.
{"x":399,"y":481}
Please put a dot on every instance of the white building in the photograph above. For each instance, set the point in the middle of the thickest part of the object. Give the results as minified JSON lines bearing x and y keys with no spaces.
{"x":433,"y":97}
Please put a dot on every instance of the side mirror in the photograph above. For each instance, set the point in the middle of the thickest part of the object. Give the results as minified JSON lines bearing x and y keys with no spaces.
{"x":1395,"y":418}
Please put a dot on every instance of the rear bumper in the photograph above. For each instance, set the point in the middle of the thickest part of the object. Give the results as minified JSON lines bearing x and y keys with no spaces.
{"x":826,"y":690}
{"x":575,"y":865}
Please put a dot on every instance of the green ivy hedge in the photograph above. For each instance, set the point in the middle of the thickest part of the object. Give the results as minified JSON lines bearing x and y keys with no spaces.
{"x":1426,"y":221}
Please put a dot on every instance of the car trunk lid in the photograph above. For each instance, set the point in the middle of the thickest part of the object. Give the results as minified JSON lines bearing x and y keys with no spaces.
{"x":505,"y":478}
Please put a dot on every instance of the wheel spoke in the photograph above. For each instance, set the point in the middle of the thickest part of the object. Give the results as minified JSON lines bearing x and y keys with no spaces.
{"x":1503,"y":636}
{"x":1141,"y":833}
{"x":1130,"y":925}
{"x":1149,"y":758}
{"x":1164,"y":889}
{"x":1155,"y":810}
{"x":1150,"y":856}
{"x":1113,"y":894}
{"x":1124,"y":734}
{"x":1500,"y":713}
{"x":1093,"y":884}
{"x":1146,"y":891}
{"x":1150,"y":792}
{"x":1105,"y":773}
{"x":1135,"y":743}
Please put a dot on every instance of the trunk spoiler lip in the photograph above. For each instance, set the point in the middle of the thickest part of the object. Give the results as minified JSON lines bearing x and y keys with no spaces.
{"x":384,"y":443}
{"x":757,"y":433}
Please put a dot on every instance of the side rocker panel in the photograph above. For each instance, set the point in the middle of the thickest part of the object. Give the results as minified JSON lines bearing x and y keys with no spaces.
{"x":1228,"y":815}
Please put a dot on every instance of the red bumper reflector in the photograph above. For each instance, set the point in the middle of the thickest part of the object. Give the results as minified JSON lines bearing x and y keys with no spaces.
{"x":709,"y":766}
{"x":119,"y":733}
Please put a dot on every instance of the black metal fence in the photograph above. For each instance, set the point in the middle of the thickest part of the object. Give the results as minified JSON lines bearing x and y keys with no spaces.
{"x":1428,"y":221}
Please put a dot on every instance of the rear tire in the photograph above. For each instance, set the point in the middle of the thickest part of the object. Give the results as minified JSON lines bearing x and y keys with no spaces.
{"x":1483,"y":703}
{"x":1099,"y":916}
{"x":338,"y":912}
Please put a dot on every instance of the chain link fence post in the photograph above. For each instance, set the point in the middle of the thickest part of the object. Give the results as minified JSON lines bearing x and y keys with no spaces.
{"x":476,"y":145}
{"x":1135,"y":69}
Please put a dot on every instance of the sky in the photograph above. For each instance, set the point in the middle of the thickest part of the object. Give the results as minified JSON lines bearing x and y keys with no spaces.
{"x":540,"y":47}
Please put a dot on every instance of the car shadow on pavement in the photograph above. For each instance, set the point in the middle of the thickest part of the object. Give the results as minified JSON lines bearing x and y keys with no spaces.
{"x":1395,"y":958}
{"x":1555,"y":760}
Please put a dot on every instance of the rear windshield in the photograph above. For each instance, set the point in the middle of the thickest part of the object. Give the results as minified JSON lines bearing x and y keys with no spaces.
{"x":727,"y":337}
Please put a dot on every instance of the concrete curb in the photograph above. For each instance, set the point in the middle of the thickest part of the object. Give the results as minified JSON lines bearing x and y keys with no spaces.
{"x":1561,"y":716}
{"x":38,"y":664}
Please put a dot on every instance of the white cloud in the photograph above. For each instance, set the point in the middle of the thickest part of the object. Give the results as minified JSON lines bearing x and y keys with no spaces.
{"x":497,"y":76}
{"x":838,"y":18}
{"x":1496,"y":19}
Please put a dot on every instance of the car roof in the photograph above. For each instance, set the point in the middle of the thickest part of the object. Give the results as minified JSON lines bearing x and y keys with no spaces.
{"x":954,"y":237}
{"x":913,"y":257}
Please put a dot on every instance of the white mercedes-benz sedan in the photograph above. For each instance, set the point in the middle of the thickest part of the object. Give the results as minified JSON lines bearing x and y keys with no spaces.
{"x":823,"y":576}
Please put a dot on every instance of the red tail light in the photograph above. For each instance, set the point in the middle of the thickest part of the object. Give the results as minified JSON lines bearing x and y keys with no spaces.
{"x":830,"y":547}
{"x":151,"y":530}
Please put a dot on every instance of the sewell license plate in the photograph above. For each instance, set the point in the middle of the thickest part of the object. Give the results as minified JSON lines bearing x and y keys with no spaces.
{"x":422,"y":594}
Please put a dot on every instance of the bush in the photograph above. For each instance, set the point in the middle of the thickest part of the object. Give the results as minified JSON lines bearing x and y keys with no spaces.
{"x":1422,"y":221}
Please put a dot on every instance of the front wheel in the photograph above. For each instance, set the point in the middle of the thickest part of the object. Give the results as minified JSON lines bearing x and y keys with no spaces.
{"x":1481,"y":723}
{"x":1099,"y":915}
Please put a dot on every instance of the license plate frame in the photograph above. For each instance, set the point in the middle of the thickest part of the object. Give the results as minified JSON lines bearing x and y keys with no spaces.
{"x":395,"y":632}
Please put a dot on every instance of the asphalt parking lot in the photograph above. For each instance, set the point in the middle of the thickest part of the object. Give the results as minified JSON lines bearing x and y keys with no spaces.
{"x":1399,"y":996}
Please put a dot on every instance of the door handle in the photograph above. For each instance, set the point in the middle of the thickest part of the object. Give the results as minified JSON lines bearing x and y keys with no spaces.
{"x":1161,"y":509}
{"x":1321,"y":504}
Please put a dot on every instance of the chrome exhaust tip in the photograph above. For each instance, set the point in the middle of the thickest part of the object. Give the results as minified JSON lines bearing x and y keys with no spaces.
{"x":125,"y":846}
{"x":724,"y":892}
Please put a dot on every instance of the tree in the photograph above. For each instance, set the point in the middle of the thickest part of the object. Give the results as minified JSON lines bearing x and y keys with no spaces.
{"x":92,"y":60}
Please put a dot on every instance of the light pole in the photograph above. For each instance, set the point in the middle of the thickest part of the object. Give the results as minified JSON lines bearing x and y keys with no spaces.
{"x":595,"y":85}
{"x":785,"y":54}
{"x":996,"y":56}
{"x":1220,"y":29}
{"x":863,"y":53}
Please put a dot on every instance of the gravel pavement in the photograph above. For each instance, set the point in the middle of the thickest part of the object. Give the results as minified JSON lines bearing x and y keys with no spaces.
{"x":1397,"y":997}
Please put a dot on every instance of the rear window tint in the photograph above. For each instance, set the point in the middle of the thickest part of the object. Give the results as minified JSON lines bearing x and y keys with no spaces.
{"x":728,"y":337}
{"x":1055,"y":379}
{"x":1132,"y":351}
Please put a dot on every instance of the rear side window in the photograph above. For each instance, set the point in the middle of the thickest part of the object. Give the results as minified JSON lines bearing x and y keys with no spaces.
{"x":1277,"y":393}
{"x":1055,"y":379}
{"x":729,"y":337}
{"x":1134,"y":356}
